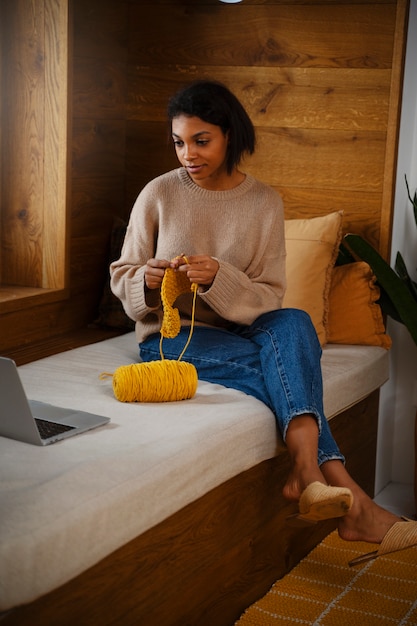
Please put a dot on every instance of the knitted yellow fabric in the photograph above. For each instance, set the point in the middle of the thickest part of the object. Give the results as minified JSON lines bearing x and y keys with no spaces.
{"x":174,"y":284}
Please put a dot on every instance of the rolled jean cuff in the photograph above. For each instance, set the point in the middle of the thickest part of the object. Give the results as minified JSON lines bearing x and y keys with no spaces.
{"x":300,"y":412}
{"x":323,"y":458}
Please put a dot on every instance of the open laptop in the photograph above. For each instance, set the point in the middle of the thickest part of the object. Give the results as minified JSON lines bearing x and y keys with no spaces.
{"x":37,"y":422}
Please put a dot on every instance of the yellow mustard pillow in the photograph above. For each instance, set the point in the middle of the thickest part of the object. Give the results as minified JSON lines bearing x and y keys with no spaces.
{"x":312,"y":247}
{"x":354,"y":315}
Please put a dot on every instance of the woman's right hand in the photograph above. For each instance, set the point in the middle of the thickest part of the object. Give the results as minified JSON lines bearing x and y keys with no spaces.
{"x":154,"y":273}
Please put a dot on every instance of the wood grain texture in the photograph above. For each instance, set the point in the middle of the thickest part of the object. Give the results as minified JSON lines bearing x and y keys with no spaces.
{"x":100,"y":29}
{"x":273,"y":35}
{"x":398,"y":55}
{"x":34,"y":143}
{"x":56,"y":158}
{"x":99,"y":88}
{"x":320,"y":98}
{"x":23,"y":148}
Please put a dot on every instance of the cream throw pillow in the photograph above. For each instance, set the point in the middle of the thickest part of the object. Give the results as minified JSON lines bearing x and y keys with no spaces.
{"x":312,"y":247}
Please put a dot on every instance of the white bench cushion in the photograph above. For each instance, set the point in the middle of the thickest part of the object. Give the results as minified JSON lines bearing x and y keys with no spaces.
{"x":67,"y":505}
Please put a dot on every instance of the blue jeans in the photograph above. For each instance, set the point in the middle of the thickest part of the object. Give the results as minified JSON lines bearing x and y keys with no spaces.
{"x":276,"y":359}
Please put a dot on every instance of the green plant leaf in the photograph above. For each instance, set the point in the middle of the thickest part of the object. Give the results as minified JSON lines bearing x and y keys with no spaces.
{"x":401,"y":269}
{"x":344,"y":255}
{"x":387,"y":305}
{"x":413,"y":201}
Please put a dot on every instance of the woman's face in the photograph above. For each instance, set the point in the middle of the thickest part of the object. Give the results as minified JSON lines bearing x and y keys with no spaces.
{"x":201,"y":148}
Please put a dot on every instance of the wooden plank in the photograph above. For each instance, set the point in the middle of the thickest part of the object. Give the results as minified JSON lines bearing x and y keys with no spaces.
{"x":96,"y":202}
{"x":275,"y":35}
{"x":100,"y":28}
{"x":99,"y":88}
{"x":360,"y":209}
{"x":328,"y":98}
{"x":144,"y":164}
{"x":393,"y":129}
{"x":23,"y":143}
{"x":17,"y":298}
{"x":34,"y":147}
{"x":311,"y":159}
{"x":98,"y":148}
{"x":56,"y":166}
{"x":47,"y":316}
{"x":60,"y":343}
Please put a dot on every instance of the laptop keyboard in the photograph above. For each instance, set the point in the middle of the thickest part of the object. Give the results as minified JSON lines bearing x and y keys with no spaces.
{"x":50,"y":429}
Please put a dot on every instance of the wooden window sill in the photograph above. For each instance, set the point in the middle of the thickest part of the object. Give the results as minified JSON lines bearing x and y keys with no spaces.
{"x":14,"y":298}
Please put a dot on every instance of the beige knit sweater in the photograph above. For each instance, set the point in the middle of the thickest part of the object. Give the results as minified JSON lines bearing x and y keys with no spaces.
{"x":243,"y":228}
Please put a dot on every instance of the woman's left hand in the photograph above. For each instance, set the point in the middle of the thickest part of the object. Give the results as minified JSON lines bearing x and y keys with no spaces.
{"x":200,"y":269}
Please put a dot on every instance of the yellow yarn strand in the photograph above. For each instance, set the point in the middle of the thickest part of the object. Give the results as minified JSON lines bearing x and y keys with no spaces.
{"x":165,"y":380}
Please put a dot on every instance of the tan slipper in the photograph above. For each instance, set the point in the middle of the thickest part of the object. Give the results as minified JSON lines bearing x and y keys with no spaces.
{"x":401,"y":535}
{"x":320,"y":502}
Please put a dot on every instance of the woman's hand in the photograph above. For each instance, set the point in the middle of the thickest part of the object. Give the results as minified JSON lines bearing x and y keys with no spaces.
{"x":154,"y":272}
{"x":200,"y":269}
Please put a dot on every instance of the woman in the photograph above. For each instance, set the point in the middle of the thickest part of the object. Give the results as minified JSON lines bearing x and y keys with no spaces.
{"x":231,"y":229}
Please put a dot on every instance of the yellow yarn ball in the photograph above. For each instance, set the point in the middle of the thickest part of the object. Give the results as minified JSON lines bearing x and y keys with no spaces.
{"x":155,"y":381}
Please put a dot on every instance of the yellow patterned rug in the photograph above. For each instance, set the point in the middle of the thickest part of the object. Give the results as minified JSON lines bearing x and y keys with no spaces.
{"x":323,"y":590}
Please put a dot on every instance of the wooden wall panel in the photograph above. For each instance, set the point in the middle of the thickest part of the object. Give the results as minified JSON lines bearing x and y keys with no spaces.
{"x":274,"y":35}
{"x":99,"y":88}
{"x":23,"y":150}
{"x":361,"y":210}
{"x":55,"y":180}
{"x":34,"y":142}
{"x":100,"y":29}
{"x":346,"y":99}
{"x":98,"y":144}
{"x":311,"y":159}
{"x":317,"y":83}
{"x":98,"y":148}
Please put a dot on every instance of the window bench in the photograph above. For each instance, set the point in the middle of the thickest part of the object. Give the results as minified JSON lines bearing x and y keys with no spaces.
{"x":171,"y":514}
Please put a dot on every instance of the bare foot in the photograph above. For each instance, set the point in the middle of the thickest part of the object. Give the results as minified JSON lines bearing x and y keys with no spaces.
{"x":299,"y":479}
{"x":366,"y":521}
{"x":302,"y":440}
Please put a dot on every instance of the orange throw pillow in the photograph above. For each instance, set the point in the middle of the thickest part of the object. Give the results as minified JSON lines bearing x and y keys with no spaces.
{"x":354,"y":316}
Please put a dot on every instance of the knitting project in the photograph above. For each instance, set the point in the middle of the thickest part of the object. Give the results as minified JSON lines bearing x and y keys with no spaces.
{"x":174,"y":284}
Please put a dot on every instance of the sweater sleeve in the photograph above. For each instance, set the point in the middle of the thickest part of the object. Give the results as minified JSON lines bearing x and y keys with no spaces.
{"x":127,"y":274}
